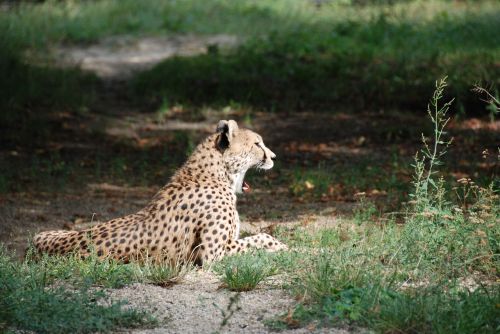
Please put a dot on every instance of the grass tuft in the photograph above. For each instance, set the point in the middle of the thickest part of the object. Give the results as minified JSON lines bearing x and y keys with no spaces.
{"x":244,"y":272}
{"x":161,"y":273}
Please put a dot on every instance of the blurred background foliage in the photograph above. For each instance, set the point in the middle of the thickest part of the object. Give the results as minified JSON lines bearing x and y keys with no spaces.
{"x":291,"y":55}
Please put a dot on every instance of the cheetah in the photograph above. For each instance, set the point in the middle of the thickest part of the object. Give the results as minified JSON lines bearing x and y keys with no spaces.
{"x":192,"y":218}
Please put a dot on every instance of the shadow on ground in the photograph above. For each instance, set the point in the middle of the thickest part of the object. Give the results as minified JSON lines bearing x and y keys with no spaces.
{"x":108,"y":159}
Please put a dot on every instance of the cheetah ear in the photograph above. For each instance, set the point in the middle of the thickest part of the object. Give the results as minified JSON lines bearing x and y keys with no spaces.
{"x":227,"y":127}
{"x":227,"y":130}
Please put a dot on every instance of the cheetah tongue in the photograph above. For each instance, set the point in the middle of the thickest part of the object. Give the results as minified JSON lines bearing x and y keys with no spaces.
{"x":245,"y":187}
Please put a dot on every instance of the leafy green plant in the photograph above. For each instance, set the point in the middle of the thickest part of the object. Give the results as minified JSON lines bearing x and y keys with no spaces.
{"x":427,"y":189}
{"x":438,"y":230}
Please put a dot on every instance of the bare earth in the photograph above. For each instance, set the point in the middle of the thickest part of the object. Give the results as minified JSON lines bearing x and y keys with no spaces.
{"x":196,"y":306}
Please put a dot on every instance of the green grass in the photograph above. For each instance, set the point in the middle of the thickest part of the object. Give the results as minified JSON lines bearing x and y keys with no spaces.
{"x":65,"y":294}
{"x":388,"y":277}
{"x":436,"y":273}
{"x":91,"y":271}
{"x":374,"y":56}
{"x":342,"y":180}
{"x":106,"y":273}
{"x":88,"y":21}
{"x":292,"y":55}
{"x":161,"y":273}
{"x":431,"y":309}
{"x":362,"y":275}
{"x":245,"y":271}
{"x":37,"y":297}
{"x":336,"y":295}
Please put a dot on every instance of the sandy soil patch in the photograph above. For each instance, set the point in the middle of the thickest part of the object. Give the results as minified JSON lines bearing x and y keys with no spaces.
{"x":122,"y":56}
{"x":196,"y":306}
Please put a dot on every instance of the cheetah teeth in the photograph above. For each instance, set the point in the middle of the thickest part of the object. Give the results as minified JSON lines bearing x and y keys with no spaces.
{"x":246,"y":187}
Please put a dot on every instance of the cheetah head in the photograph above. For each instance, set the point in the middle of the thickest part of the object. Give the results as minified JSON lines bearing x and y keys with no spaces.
{"x":242,"y":149}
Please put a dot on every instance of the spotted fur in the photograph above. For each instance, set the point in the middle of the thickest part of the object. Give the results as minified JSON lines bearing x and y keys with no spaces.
{"x":192,"y":218}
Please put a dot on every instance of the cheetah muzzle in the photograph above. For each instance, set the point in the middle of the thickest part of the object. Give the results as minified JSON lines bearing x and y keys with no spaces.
{"x":192,"y":218}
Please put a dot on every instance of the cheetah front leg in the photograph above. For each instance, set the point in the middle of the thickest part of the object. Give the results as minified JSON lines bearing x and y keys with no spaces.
{"x":258,"y":241}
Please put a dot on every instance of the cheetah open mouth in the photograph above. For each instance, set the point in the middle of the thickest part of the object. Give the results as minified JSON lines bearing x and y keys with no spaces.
{"x":245,"y":187}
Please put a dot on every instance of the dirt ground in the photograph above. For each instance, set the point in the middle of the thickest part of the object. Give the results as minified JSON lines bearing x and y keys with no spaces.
{"x":197,"y":306}
{"x":299,"y":139}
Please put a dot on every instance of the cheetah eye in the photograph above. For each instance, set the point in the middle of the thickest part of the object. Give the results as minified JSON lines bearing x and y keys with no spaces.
{"x":258,"y":144}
